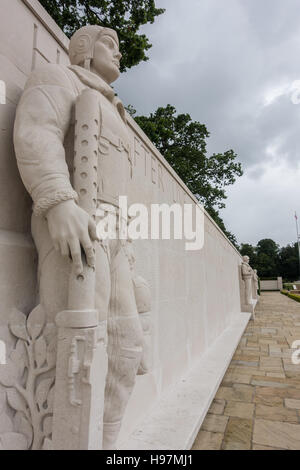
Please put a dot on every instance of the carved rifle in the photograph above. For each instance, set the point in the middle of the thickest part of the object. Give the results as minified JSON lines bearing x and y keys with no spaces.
{"x":81,"y":355}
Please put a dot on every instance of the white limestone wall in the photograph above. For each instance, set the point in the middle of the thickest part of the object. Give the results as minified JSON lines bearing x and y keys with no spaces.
{"x":28,"y":38}
{"x":195,"y":294}
{"x":275,"y":284}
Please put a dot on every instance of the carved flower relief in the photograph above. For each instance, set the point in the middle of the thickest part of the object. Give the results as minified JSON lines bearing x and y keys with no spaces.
{"x":27,"y":383}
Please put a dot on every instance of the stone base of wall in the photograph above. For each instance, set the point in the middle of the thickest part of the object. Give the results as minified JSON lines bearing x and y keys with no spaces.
{"x":175,"y":420}
{"x":250,"y":308}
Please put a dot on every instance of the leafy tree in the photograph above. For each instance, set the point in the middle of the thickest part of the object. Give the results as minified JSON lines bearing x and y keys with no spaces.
{"x":268,"y":247}
{"x":125,"y":16}
{"x":266,"y":266}
{"x":271,"y":261}
{"x":267,"y":258}
{"x":249,"y":250}
{"x":183,"y":143}
{"x":289,"y":262}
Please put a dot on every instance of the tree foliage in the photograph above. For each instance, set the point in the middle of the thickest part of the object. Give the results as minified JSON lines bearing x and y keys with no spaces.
{"x":182,"y":142}
{"x":289,"y":262}
{"x":125,"y":16}
{"x":271,"y":261}
{"x":248,"y":250}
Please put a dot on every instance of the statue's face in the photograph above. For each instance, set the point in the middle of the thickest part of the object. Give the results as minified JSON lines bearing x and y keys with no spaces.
{"x":246,"y":259}
{"x":106,"y":61}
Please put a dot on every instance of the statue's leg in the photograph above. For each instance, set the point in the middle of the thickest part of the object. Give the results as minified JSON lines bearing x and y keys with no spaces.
{"x":125,"y":340}
{"x":115,"y":296}
{"x":248,"y":291}
{"x":54,"y":272}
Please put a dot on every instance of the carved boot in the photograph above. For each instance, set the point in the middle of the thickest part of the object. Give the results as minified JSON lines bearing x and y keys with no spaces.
{"x":125,"y":339}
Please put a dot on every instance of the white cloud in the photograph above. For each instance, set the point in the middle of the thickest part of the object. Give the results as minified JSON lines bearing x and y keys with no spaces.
{"x":274,"y":93}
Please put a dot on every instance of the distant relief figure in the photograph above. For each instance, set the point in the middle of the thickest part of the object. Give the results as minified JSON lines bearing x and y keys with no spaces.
{"x":247,"y":274}
{"x":255,"y":281}
{"x":55,"y":130}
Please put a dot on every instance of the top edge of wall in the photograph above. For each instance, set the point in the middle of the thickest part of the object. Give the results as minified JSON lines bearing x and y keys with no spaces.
{"x":41,"y":14}
{"x":39,"y":11}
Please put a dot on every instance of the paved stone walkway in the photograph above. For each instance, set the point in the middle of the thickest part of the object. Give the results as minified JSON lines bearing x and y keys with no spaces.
{"x":258,"y":403}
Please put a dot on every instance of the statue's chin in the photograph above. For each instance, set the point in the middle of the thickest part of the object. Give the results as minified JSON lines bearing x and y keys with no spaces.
{"x":111,"y":76}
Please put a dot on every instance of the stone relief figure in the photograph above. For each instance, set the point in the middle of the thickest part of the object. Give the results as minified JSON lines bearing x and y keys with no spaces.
{"x":247,"y":274}
{"x":255,"y":282}
{"x":143,"y":302}
{"x":65,"y":198}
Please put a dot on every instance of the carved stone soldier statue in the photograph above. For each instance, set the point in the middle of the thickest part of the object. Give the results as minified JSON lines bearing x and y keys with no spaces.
{"x":255,"y":282}
{"x":45,"y":130}
{"x":247,"y":274}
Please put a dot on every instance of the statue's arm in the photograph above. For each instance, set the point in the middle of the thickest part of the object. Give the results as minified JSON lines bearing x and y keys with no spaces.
{"x":245,"y":270}
{"x":42,"y":121}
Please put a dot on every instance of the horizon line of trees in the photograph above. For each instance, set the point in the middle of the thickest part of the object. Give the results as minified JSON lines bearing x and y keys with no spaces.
{"x":271,"y":260}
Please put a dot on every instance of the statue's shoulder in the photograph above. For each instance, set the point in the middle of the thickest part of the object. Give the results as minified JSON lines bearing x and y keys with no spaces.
{"x":50,"y":74}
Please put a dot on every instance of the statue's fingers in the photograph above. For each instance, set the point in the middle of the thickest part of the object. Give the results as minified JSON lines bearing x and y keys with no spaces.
{"x":89,"y":251}
{"x":93,"y":230}
{"x":76,"y":255}
{"x":64,"y":248}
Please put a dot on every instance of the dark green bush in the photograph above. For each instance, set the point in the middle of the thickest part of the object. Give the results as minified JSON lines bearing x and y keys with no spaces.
{"x":284,"y":292}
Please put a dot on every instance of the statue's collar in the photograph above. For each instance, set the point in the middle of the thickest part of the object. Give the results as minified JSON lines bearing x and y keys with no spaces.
{"x":94,"y":81}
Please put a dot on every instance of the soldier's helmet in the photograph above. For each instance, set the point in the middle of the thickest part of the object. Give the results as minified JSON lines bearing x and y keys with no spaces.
{"x":82,"y":43}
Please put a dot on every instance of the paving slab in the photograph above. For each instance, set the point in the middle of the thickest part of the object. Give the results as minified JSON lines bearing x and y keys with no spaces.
{"x":259,"y":397}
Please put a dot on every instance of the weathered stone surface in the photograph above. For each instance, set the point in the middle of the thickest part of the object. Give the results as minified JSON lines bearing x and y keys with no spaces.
{"x":232,"y":377}
{"x":208,"y":441}
{"x":293,"y":404}
{"x":215,"y":423}
{"x":217,"y":407}
{"x":277,"y":434}
{"x":258,"y":447}
{"x":271,"y":364}
{"x":238,"y":392}
{"x":267,"y":399}
{"x":239,"y":409}
{"x":238,"y":434}
{"x":276,"y":413}
{"x":275,"y":403}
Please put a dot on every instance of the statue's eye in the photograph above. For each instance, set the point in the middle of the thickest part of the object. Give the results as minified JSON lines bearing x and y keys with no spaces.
{"x":109,"y":42}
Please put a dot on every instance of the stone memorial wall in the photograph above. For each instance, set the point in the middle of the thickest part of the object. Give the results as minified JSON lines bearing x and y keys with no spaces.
{"x":196,"y":312}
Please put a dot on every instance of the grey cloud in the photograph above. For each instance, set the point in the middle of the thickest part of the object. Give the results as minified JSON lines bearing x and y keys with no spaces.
{"x":219,"y":61}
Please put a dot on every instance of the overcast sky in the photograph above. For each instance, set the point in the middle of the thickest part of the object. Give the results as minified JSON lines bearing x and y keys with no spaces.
{"x":232,"y":65}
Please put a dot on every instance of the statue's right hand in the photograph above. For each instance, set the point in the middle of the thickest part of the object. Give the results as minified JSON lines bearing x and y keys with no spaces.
{"x":71,"y":228}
